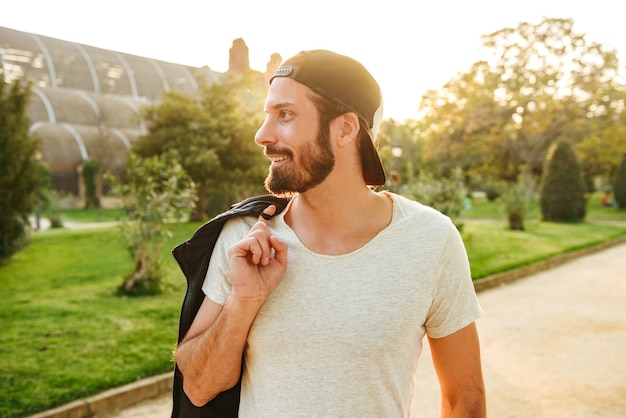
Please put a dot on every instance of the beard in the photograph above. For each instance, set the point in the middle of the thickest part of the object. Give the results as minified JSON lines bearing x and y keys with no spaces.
{"x":316,"y":162}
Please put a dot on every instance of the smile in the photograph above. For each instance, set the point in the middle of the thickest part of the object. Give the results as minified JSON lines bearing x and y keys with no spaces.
{"x":278,"y":159}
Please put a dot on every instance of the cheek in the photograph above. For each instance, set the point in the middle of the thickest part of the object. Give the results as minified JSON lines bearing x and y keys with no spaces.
{"x":293,"y":134}
{"x":288,"y":131}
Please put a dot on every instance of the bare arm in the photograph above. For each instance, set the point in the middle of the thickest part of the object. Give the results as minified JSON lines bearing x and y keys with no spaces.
{"x":210,"y":355}
{"x":457,"y":362}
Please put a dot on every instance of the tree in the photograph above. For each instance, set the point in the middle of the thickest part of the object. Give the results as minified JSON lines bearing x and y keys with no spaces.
{"x":157,"y":190}
{"x":619,"y":185}
{"x":538,"y":83}
{"x":213,"y":135}
{"x":20,"y":175}
{"x":406,"y":135}
{"x":562,"y":190}
{"x":600,"y":150}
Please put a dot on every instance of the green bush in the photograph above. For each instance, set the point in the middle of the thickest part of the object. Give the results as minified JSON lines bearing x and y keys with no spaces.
{"x":446,"y":194}
{"x":619,"y":185}
{"x":90,"y":174}
{"x":515,"y":204}
{"x":157,"y":191}
{"x":562,"y":190}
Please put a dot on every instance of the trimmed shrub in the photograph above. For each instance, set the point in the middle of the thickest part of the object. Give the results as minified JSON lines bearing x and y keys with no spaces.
{"x":562,"y":190}
{"x":514,"y":198}
{"x":619,"y":185}
{"x":90,"y":174}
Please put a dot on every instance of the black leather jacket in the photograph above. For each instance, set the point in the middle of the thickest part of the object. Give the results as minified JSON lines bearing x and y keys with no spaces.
{"x":193,"y":257}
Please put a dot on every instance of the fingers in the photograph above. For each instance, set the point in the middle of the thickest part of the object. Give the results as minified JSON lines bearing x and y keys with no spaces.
{"x":280,"y":251}
{"x":267,"y":214}
{"x":255,"y":250}
{"x":258,"y":258}
{"x":261,"y":249}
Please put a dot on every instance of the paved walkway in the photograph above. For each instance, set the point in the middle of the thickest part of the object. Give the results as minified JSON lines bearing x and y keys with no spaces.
{"x":553,"y":345}
{"x":44,"y":224}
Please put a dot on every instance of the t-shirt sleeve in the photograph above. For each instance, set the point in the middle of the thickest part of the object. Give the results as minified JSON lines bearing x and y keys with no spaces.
{"x":455,"y":304}
{"x":217,"y":286}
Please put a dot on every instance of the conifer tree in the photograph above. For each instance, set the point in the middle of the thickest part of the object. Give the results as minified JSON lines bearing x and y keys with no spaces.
{"x":562,"y":190}
{"x":20,"y":175}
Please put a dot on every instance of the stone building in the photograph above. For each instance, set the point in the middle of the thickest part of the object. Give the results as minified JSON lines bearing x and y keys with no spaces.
{"x":85,"y":99}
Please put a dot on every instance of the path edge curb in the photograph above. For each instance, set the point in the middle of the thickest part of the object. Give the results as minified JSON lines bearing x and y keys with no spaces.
{"x":113,"y":400}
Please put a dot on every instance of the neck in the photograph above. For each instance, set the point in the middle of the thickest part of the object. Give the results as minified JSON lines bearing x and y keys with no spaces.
{"x":337,"y":220}
{"x":336,"y":205}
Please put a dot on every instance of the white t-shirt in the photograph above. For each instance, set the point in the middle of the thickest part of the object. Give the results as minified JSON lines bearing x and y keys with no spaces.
{"x":341,"y":335}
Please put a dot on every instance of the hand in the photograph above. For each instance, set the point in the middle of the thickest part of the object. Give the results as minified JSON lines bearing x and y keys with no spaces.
{"x":257,"y":262}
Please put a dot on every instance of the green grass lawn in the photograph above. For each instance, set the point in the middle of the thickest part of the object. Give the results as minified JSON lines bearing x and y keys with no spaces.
{"x":482,"y":209}
{"x":66,"y":335}
{"x":493,"y":248}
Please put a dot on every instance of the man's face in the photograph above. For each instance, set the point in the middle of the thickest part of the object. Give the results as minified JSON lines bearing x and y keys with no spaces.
{"x":301,"y":152}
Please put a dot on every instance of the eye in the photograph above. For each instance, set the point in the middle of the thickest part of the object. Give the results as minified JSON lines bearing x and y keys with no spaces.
{"x":284,"y":115}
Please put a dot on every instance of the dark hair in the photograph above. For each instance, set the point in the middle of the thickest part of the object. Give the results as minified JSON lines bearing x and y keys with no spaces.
{"x":328,"y":110}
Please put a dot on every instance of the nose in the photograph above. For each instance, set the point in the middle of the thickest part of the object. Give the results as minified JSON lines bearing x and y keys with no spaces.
{"x":265,"y":135}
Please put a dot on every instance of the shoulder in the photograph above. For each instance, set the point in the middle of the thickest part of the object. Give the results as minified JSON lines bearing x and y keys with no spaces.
{"x":407,"y":210}
{"x":236,"y":227}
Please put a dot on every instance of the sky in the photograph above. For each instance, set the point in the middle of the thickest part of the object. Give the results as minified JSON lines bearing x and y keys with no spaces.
{"x":410,"y":46}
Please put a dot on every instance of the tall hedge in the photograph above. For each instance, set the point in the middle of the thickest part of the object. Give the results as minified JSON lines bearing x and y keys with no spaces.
{"x":619,"y":185}
{"x":562,"y":190}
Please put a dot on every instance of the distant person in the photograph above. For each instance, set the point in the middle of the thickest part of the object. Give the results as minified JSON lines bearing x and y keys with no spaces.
{"x":327,"y":302}
{"x":606,"y":199}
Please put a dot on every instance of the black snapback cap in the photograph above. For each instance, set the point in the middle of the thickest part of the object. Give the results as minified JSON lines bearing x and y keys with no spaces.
{"x":347,"y":82}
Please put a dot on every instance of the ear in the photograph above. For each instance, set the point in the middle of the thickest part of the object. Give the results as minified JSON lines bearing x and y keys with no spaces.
{"x":349,"y":126}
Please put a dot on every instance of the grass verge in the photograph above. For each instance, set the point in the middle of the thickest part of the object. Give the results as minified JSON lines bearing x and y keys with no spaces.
{"x":493,"y":248}
{"x":65,"y":333}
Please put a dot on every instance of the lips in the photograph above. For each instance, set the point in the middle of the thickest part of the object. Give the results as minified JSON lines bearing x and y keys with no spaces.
{"x":278,"y":159}
{"x":277,"y":156}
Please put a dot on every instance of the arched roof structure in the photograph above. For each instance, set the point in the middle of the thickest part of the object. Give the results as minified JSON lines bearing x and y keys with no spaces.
{"x":85,"y":99}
